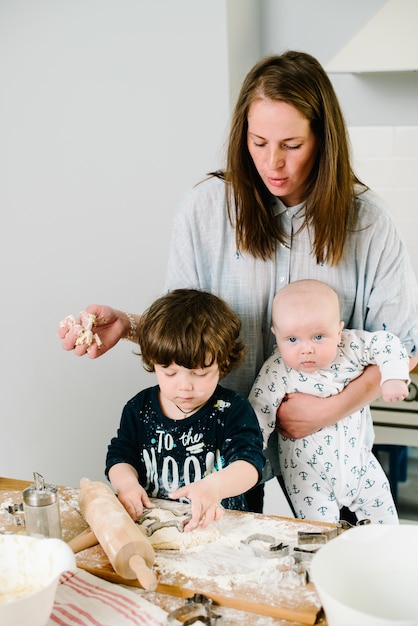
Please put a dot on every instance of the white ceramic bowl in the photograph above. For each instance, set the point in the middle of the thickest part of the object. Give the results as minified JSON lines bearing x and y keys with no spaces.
{"x":29,"y":574}
{"x":368,"y":576}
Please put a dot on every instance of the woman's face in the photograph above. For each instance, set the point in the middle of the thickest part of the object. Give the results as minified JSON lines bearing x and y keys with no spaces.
{"x":283,"y":148}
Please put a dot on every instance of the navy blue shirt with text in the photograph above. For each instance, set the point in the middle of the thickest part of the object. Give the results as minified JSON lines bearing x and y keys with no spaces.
{"x":168,"y":454}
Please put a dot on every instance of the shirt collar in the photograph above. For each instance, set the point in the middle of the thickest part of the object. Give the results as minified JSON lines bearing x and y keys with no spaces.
{"x":279,"y":207}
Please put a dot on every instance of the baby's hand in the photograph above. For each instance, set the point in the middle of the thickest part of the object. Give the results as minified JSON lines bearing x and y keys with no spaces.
{"x":394,"y":390}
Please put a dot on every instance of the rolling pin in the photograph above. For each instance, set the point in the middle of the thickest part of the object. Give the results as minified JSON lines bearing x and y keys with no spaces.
{"x":127,"y":548}
{"x":86,"y":539}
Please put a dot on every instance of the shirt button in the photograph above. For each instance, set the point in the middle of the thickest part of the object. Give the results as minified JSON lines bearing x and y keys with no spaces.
{"x":288,"y":213}
{"x":281,"y":279}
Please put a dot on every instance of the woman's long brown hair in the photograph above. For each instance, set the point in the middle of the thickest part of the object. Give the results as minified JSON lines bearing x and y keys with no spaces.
{"x":298,"y":79}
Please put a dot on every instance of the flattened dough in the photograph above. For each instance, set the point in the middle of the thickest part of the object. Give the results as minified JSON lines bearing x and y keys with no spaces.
{"x":170,"y":538}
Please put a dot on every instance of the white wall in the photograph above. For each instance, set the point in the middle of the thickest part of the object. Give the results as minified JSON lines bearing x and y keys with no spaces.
{"x":109,"y":111}
{"x":386,"y":157}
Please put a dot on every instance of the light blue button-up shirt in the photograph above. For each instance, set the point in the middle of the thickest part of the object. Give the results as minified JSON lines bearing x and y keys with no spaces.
{"x":374,"y":280}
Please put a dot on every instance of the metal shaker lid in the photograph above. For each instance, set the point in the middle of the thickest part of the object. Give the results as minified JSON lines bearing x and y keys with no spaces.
{"x":40,"y":497}
{"x":40,"y":494}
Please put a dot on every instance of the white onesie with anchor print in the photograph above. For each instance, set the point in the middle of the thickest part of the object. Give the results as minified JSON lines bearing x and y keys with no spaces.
{"x":334,"y":467}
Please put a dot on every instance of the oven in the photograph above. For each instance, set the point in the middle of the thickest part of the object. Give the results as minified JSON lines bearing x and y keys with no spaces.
{"x":396,"y":428}
{"x":396,"y":423}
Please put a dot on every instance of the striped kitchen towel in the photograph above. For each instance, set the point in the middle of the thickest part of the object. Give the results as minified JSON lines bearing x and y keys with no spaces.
{"x":85,"y":600}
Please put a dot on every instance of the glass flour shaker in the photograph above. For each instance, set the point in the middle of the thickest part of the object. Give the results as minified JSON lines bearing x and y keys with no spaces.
{"x":41,"y":507}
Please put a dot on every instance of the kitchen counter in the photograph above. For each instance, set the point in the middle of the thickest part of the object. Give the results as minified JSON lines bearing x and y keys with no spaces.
{"x":73,"y":524}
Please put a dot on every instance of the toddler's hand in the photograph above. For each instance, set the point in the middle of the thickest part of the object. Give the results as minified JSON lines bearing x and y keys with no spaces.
{"x":205,"y":503}
{"x":135,"y":501}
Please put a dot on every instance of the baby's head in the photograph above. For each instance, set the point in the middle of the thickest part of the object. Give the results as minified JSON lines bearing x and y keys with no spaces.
{"x":307,"y":324}
{"x":193,"y":329}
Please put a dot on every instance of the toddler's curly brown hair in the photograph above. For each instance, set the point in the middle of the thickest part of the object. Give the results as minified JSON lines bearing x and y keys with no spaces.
{"x":191,"y":328}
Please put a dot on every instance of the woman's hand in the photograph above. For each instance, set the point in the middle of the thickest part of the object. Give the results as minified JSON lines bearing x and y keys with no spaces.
{"x":300,"y":415}
{"x":109,"y":324}
{"x":303,"y":414}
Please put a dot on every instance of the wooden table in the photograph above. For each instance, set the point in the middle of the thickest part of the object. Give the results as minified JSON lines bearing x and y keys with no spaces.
{"x":13,"y":484}
{"x":73,"y":523}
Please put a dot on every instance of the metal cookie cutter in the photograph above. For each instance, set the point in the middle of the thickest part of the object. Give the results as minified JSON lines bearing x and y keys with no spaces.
{"x":196,"y":609}
{"x":302,"y":556}
{"x":316,"y":537}
{"x":179,"y":522}
{"x":300,"y":573}
{"x":302,"y":560}
{"x":14,"y":514}
{"x":344,"y":525}
{"x":274,"y":549}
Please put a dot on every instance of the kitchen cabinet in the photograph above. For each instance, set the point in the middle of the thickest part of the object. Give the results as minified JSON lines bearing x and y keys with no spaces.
{"x":386,"y":43}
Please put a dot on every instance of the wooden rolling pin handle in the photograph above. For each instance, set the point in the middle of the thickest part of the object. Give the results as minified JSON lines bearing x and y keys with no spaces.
{"x":145,"y":575}
{"x":86,"y":539}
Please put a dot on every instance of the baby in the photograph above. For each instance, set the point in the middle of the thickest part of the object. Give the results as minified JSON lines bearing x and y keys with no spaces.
{"x":333,"y":467}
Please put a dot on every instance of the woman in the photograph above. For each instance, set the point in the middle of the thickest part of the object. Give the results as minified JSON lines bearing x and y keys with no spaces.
{"x":287,"y":206}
